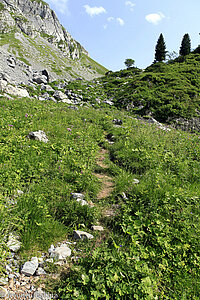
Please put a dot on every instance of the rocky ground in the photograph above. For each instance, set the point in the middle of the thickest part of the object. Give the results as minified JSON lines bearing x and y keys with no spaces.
{"x":24,"y":281}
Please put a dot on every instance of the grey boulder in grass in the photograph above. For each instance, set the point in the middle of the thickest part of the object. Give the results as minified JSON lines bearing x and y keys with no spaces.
{"x":38,"y":136}
{"x":13,"y":243}
{"x":82,"y":235}
{"x":79,"y":198}
{"x":97,"y":228}
{"x":61,"y":252}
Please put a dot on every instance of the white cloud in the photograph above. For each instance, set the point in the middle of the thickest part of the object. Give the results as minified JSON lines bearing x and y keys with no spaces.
{"x":110,"y":19}
{"x":120,"y":21}
{"x":130,"y":4}
{"x":60,"y":5}
{"x":155,"y":19}
{"x":93,"y":11}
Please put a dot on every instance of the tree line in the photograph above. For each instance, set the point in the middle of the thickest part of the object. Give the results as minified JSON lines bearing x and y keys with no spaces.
{"x":161,"y":52}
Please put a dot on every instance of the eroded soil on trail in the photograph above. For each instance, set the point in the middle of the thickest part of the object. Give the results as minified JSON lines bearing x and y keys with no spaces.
{"x":107,"y":184}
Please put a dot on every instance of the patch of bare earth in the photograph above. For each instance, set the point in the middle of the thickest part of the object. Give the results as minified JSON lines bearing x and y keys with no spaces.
{"x":101,"y":157}
{"x":107,"y":184}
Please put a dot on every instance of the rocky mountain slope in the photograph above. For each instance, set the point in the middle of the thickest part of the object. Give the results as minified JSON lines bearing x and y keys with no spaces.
{"x":32,"y":39}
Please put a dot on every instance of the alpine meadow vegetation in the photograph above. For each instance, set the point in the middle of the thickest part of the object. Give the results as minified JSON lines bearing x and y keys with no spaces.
{"x":99,"y":186}
{"x":149,"y":248}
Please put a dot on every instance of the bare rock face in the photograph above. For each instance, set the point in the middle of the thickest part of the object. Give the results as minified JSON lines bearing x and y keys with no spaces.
{"x":33,"y":17}
{"x":6,"y":21}
{"x":3,"y":84}
{"x":33,"y":40}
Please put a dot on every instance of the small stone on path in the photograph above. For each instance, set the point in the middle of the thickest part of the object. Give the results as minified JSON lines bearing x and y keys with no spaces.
{"x":97,"y":228}
{"x":3,"y":292}
{"x":30,"y":267}
{"x":61,"y":252}
{"x":13,"y":243}
{"x":82,"y":235}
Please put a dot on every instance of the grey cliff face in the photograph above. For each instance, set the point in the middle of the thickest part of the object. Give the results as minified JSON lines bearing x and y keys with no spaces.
{"x":36,"y":17}
{"x":32,"y":40}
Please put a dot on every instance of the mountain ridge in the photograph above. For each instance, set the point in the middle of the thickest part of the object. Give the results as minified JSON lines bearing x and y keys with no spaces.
{"x":31,"y":32}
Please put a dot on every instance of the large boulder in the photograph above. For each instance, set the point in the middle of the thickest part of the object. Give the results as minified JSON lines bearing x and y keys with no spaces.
{"x":39,"y":78}
{"x":16,"y":91}
{"x":151,"y":120}
{"x":79,"y":198}
{"x":108,"y":102}
{"x":60,"y":96}
{"x":47,"y":88}
{"x":66,"y":101}
{"x":97,"y":228}
{"x":117,"y":122}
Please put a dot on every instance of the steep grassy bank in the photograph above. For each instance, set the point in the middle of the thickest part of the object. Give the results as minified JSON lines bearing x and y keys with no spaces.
{"x":150,"y":249}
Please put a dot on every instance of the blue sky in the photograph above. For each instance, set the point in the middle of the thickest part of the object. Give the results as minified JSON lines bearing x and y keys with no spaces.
{"x":113,"y":30}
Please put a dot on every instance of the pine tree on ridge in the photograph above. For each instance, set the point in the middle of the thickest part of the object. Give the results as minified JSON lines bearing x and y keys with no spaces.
{"x":185,"y":48}
{"x":160,"y":50}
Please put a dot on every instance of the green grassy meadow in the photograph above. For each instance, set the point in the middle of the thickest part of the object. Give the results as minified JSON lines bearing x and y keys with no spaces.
{"x":150,"y":248}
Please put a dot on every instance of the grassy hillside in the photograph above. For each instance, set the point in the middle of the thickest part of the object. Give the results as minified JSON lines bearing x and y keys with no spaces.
{"x":150,"y":246}
{"x":165,"y":90}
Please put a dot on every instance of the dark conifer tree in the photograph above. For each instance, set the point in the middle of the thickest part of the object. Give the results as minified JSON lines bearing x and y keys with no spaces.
{"x":185,"y":48}
{"x":160,"y":51}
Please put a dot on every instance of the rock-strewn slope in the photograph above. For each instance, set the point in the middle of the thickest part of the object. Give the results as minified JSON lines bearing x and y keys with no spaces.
{"x":32,"y":36}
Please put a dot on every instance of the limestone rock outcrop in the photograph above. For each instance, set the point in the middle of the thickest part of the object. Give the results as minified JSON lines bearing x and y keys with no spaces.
{"x":32,"y":40}
{"x":36,"y":17}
